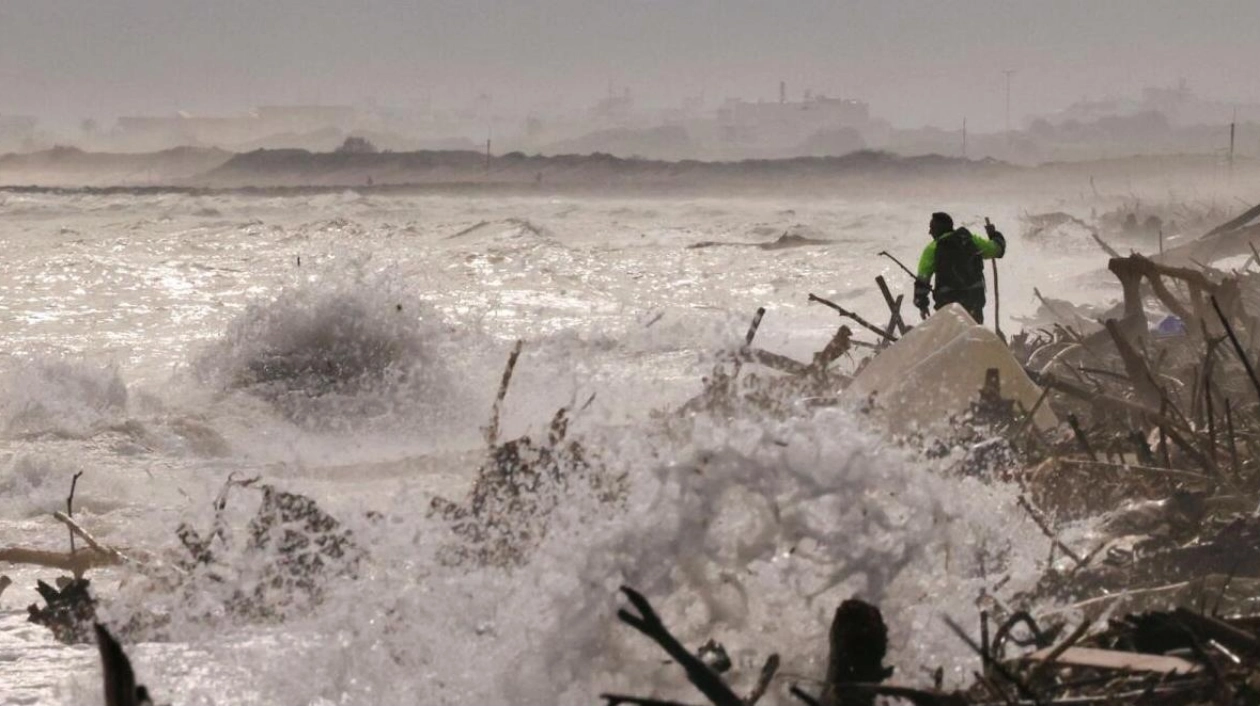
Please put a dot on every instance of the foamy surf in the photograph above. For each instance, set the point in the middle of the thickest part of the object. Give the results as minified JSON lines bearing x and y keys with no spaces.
{"x":749,"y":529}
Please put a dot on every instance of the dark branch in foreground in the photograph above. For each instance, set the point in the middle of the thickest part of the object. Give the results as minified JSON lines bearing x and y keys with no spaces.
{"x":120,"y":679}
{"x":649,"y":624}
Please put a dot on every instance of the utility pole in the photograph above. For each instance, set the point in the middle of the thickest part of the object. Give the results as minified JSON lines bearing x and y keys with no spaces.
{"x":1008,"y":73}
{"x":1232,"y":126}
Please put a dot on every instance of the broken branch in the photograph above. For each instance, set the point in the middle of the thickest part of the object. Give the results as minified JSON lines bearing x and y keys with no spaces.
{"x":648,"y":622}
{"x":852,"y":315}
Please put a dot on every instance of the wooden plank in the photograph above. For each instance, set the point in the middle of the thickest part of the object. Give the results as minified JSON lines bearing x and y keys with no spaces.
{"x":1235,"y":223}
{"x":894,"y":306}
{"x":1119,"y":660}
{"x":778,"y":362}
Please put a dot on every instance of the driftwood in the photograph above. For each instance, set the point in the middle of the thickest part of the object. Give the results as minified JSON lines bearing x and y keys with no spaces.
{"x":1147,"y":389}
{"x":304,"y":547}
{"x":308,"y":545}
{"x":648,"y":622}
{"x":519,"y":486}
{"x":492,"y":430}
{"x":884,"y":335}
{"x":1040,"y":520}
{"x":1103,"y":244}
{"x":69,"y":610}
{"x":300,"y":547}
{"x":1238,"y":348}
{"x":1168,"y":383}
{"x":1181,"y":656}
{"x":839,"y":345}
{"x":725,"y":391}
{"x":779,"y":362}
{"x":77,"y":564}
{"x":113,"y":554}
{"x":748,"y":338}
{"x":896,"y":323}
{"x":1234,"y":237}
{"x":74,"y":481}
{"x":507,"y":512}
{"x":1235,"y":223}
{"x":120,"y":679}
{"x":858,"y":644}
{"x":75,"y":561}
{"x":1135,"y":269}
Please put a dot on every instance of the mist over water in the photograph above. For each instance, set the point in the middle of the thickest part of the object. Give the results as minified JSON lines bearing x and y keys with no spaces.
{"x":162,"y":342}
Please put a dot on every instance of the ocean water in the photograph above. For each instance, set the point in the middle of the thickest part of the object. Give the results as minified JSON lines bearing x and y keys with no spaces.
{"x":348,"y":347}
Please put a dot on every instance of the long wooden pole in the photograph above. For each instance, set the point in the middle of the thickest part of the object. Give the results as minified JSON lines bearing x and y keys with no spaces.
{"x":997,"y":297}
{"x":997,"y":304}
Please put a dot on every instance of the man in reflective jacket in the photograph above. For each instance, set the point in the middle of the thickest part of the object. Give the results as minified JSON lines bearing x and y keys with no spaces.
{"x":956,"y":258}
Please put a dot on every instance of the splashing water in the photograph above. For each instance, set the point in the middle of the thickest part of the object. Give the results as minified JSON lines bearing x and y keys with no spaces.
{"x":751,"y":532}
{"x":337,"y":351}
{"x":229,"y":358}
{"x":63,"y":398}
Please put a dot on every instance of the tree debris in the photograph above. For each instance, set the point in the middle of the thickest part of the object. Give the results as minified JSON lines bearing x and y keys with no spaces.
{"x":69,"y":610}
{"x":519,"y":486}
{"x":120,"y":679}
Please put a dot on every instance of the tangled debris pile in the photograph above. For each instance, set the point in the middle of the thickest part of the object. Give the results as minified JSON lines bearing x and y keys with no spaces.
{"x":1156,"y":657}
{"x":1130,"y":221}
{"x":294,"y":549}
{"x":68,"y":610}
{"x":518,"y":488}
{"x":1160,"y":404}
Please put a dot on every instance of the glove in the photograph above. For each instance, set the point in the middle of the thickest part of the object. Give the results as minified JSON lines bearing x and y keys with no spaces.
{"x":921,"y":292}
{"x":996,"y":237}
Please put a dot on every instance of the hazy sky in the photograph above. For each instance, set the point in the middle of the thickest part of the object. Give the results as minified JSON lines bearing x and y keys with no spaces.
{"x":915,"y":61}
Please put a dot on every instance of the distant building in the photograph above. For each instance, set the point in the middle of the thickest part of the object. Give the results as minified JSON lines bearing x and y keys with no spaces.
{"x":1178,"y":104}
{"x":170,"y":131}
{"x":786,"y":124}
{"x":300,"y":119}
{"x":156,"y":132}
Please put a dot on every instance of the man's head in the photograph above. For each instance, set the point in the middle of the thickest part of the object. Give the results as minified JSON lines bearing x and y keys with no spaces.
{"x":940,"y":224}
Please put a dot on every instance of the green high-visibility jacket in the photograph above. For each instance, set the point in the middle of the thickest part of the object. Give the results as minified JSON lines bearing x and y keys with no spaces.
{"x":955,"y":259}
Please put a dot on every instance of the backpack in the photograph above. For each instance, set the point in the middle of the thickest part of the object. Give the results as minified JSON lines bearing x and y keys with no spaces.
{"x":959,"y":265}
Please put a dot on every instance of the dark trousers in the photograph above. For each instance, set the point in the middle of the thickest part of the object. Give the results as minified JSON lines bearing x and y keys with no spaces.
{"x":971,"y":300}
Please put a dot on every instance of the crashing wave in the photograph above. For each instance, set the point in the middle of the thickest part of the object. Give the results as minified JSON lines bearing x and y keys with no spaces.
{"x":329,"y":352}
{"x":749,"y":530}
{"x":61,"y":398}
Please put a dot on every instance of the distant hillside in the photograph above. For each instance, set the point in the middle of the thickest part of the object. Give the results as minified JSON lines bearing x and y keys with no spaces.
{"x":651,"y":143}
{"x":271,"y":168}
{"x":865,"y":173}
{"x":328,"y":139}
{"x":70,"y":166}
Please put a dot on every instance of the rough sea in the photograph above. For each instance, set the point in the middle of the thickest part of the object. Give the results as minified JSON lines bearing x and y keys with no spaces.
{"x":151,"y":342}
